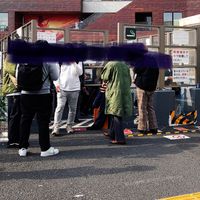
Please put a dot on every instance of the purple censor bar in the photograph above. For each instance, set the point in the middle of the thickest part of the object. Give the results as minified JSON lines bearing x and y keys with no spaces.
{"x":135,"y":54}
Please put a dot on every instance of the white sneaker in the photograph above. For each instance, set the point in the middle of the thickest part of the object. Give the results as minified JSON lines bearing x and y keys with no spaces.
{"x":69,"y":129}
{"x":23,"y":152}
{"x":50,"y":152}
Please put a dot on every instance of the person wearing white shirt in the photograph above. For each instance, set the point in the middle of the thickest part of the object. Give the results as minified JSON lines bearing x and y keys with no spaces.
{"x":67,"y":87}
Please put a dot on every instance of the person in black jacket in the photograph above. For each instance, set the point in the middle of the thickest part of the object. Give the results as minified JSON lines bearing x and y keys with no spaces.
{"x":146,"y":82}
{"x":99,"y":102}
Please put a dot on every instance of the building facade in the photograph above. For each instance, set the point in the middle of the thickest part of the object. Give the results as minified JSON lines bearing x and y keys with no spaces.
{"x":93,"y":14}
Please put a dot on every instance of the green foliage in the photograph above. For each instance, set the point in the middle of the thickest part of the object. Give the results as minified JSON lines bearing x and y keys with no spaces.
{"x":3,"y":112}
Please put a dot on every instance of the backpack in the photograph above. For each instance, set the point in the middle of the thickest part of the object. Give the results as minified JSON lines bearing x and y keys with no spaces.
{"x":30,"y":77}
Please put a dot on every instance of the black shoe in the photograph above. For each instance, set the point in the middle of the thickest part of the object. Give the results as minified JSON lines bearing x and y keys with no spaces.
{"x":142,"y":131}
{"x":13,"y":145}
{"x":153,"y":131}
{"x":77,"y":121}
{"x":106,"y":134}
{"x":118,"y":142}
{"x":92,"y":128}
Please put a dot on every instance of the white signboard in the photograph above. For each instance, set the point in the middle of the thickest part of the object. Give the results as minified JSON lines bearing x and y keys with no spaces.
{"x":176,"y":137}
{"x":180,"y":56}
{"x":50,"y":37}
{"x":184,"y":75}
{"x":180,"y":37}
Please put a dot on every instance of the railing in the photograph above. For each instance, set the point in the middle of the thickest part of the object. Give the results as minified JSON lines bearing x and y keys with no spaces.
{"x":3,"y":115}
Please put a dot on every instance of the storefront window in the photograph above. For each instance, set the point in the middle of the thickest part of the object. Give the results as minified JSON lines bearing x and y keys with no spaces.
{"x":3,"y":21}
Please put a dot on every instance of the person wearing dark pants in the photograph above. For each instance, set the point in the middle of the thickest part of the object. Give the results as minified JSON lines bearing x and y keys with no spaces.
{"x":38,"y":103}
{"x":118,"y":98}
{"x":116,"y":130}
{"x":14,"y":116}
{"x":99,"y":104}
{"x":9,"y":89}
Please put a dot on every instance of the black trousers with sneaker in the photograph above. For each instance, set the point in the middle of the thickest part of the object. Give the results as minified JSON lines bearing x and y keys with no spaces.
{"x":14,"y":116}
{"x":116,"y":129}
{"x":39,"y":105}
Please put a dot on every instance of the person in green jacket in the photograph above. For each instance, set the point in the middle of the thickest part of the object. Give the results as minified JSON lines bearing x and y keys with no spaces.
{"x":118,"y":98}
{"x":9,"y":89}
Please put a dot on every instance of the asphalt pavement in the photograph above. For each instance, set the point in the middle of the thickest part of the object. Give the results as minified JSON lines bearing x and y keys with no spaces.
{"x":89,"y":168}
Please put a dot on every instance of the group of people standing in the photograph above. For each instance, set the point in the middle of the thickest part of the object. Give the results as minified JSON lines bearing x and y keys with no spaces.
{"x":117,"y":102}
{"x":118,"y":98}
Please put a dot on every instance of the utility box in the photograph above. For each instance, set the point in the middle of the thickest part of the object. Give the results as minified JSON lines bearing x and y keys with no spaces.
{"x":164,"y":102}
{"x":195,"y":94}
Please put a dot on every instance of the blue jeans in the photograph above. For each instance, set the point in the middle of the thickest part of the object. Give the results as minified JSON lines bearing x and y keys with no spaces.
{"x":71,"y":97}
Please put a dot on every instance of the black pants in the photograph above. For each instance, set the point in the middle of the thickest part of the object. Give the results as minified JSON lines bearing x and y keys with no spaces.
{"x":14,"y":116}
{"x":101,"y":118}
{"x":116,"y":129}
{"x":39,"y":105}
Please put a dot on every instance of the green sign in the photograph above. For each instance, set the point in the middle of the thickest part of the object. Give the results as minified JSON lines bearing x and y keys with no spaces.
{"x":130,"y":33}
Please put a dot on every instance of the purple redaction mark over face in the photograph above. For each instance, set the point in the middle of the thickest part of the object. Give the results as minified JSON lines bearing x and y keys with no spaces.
{"x":135,"y":54}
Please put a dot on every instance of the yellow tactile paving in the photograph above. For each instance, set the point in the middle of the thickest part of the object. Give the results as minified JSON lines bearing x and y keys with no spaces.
{"x":176,"y":132}
{"x":163,"y":133}
{"x":193,"y":196}
{"x":130,"y":135}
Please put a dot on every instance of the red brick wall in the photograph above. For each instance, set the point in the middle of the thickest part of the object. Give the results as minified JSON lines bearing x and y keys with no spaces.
{"x":41,"y":5}
{"x":192,"y":7}
{"x":157,"y":7}
{"x":35,"y":6}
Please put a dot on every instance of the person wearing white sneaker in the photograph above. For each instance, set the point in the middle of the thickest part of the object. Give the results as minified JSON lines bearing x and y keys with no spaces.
{"x":69,"y":129}
{"x":38,"y":103}
{"x":67,"y":87}
{"x":23,"y":152}
{"x":50,"y":152}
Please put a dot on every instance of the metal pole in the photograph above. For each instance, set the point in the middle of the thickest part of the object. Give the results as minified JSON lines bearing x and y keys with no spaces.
{"x":161,"y":80}
{"x":66,"y":35}
{"x":33,"y":30}
{"x":106,"y":35}
{"x":120,"y":32}
{"x":198,"y":57}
